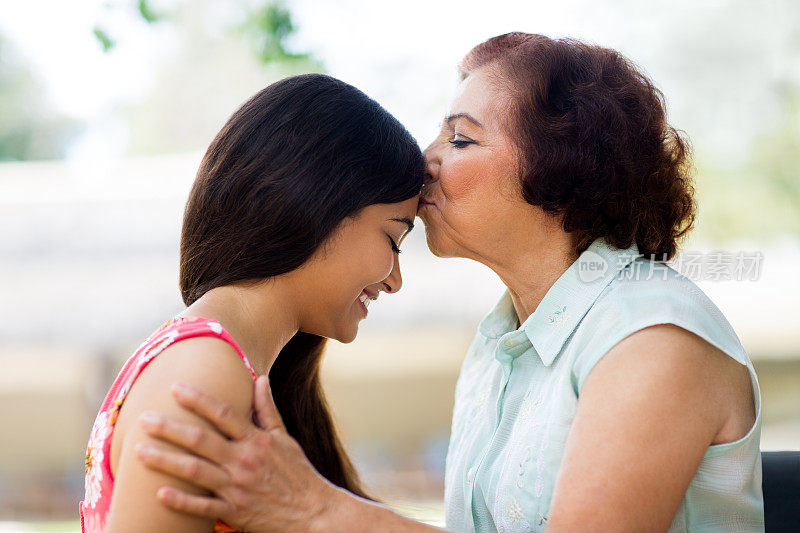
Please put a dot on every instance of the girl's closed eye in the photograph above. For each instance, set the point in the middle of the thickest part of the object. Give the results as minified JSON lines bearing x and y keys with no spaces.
{"x":395,"y":248}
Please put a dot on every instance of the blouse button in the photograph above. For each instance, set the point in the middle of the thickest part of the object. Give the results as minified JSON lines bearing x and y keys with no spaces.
{"x":510,"y":342}
{"x":470,"y":475}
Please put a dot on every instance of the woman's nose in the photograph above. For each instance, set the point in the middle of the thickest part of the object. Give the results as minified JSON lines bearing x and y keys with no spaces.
{"x":431,"y":163}
{"x":431,"y":172}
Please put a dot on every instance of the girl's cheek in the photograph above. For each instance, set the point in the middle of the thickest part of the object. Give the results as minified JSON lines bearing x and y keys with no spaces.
{"x":377,"y":265}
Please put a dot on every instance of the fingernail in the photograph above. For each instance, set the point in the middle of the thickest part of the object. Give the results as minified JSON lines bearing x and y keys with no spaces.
{"x":150,"y":418}
{"x":183,"y":390}
{"x":144,"y":450}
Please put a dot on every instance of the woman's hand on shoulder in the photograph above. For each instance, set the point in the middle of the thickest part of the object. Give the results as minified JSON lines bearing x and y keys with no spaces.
{"x":260,"y":478}
{"x":258,"y":475}
{"x":205,"y":361}
{"x":646,"y":415}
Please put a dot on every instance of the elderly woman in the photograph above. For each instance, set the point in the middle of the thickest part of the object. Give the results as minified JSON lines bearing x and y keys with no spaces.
{"x":604,"y":392}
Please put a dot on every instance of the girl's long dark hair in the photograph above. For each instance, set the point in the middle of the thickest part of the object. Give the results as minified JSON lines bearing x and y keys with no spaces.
{"x":292,"y":163}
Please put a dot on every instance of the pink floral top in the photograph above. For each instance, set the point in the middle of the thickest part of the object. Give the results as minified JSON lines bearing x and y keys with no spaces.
{"x":99,"y":482}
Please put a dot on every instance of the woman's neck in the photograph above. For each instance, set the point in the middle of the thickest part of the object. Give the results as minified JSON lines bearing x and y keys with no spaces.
{"x":532,"y":269}
{"x":261,"y":318}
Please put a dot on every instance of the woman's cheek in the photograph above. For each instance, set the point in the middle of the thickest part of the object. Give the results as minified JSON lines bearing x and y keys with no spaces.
{"x":462,"y":182}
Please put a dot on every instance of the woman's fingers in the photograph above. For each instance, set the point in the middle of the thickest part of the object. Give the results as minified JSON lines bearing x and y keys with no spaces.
{"x":183,"y":466}
{"x":205,"y":506}
{"x":266,"y":412}
{"x":196,"y":439}
{"x":221,"y":415}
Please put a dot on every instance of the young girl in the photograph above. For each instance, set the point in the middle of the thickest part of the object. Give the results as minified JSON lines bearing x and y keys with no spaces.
{"x":291,"y":229}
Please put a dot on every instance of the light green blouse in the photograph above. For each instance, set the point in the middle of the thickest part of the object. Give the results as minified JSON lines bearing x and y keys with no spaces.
{"x":518,"y":391}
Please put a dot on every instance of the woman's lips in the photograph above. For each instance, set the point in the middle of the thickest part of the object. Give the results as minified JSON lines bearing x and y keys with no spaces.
{"x":422,"y":203}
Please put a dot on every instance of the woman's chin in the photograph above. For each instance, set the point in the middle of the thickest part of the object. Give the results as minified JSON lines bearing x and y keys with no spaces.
{"x":434,"y":243}
{"x":437,"y":246}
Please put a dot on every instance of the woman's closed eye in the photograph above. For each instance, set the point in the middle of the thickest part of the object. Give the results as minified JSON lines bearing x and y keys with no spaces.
{"x":459,"y":141}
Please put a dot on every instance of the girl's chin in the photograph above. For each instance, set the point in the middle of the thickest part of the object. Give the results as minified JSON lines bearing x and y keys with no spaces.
{"x":349,"y":336}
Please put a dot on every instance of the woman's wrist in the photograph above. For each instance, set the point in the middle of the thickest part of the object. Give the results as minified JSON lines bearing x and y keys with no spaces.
{"x":344,"y":512}
{"x":336,"y":511}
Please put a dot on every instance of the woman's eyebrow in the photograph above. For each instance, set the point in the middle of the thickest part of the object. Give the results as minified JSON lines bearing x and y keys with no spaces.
{"x":407,"y":222}
{"x":467,"y":116}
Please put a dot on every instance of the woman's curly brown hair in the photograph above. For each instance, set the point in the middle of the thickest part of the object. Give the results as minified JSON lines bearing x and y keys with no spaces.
{"x":594,"y":142}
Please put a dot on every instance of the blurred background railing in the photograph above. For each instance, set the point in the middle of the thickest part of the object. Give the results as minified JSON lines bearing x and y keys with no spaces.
{"x":106,"y":108}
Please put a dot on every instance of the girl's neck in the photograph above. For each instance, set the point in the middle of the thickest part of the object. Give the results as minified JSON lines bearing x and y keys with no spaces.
{"x":260,"y":318}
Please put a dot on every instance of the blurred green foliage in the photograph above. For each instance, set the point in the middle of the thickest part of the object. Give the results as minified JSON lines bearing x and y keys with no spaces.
{"x":760,"y":198}
{"x":776,"y":155}
{"x":143,"y":10}
{"x":266,"y":27}
{"x":146,"y":12}
{"x":29,"y":130}
{"x":105,"y":41}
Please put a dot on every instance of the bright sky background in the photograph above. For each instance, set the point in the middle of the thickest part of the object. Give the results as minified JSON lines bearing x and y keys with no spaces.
{"x":404,"y":53}
{"x":349,"y":35}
